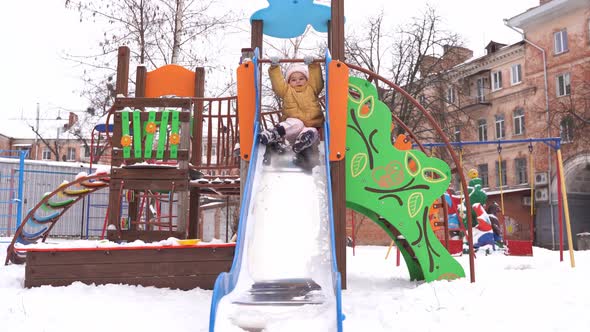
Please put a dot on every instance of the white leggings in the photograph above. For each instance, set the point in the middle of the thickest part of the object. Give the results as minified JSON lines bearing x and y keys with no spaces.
{"x":295,"y":127}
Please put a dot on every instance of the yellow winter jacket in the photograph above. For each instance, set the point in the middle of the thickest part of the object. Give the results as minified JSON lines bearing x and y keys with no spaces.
{"x":300,"y":103}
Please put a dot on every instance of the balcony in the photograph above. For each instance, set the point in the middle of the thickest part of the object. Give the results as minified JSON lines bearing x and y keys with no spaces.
{"x":482,"y":100}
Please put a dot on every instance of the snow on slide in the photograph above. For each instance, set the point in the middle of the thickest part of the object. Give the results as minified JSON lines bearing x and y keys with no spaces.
{"x":285,"y":279}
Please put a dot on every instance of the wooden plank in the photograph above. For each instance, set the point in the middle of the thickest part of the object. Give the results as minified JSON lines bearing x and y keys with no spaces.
{"x":127,"y":270}
{"x":122,"y":70}
{"x":156,"y":255}
{"x":185,"y":103}
{"x":144,"y":116}
{"x":157,"y":185}
{"x":148,"y":173}
{"x":146,"y":236}
{"x":174,"y":282}
{"x":117,"y":153}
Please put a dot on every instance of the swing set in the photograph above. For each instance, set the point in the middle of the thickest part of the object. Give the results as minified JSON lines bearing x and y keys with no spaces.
{"x":515,"y":247}
{"x":520,"y":247}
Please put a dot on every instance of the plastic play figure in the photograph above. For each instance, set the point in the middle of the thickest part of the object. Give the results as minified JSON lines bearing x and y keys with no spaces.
{"x":301,"y":116}
{"x":476,"y":193}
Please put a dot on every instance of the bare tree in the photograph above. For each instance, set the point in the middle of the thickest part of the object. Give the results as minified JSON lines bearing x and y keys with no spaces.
{"x":415,"y":56}
{"x":157,"y":32}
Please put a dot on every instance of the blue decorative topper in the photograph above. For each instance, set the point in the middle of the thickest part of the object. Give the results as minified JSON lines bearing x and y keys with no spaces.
{"x":289,"y":18}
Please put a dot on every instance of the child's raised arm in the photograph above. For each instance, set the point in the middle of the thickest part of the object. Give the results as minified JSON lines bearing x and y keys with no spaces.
{"x":316,"y":80}
{"x":279,"y":86}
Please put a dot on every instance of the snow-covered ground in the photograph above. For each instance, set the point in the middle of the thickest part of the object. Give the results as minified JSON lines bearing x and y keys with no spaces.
{"x":511,"y":293}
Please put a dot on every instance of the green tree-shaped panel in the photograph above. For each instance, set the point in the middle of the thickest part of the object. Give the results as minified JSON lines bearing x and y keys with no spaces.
{"x":395,"y":188}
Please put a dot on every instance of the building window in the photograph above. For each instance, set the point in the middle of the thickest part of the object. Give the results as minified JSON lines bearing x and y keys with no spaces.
{"x":483,"y":175}
{"x":521,"y":170}
{"x":516,"y":74}
{"x":560,"y":41}
{"x":46,"y":154}
{"x":457,"y":133}
{"x":502,"y":171}
{"x":566,"y":129}
{"x":500,"y":131}
{"x":496,"y":80}
{"x":562,"y":85}
{"x":86,"y":152}
{"x":71,"y":154}
{"x":519,"y":121}
{"x":451,"y":94}
{"x":480,"y":90}
{"x":482,"y":130}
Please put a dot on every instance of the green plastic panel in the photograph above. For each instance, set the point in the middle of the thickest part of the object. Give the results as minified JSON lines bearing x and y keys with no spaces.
{"x":125,"y":132}
{"x":137,"y":134}
{"x":174,"y":130}
{"x":149,"y":137}
{"x":395,"y":186}
{"x":162,"y":135}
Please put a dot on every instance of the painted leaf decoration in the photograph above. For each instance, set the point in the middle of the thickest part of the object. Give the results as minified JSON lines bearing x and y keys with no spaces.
{"x":433,"y":175}
{"x":355,"y":94}
{"x":358,"y":164}
{"x":415,"y":202}
{"x":366,"y":107}
{"x":413,"y":164}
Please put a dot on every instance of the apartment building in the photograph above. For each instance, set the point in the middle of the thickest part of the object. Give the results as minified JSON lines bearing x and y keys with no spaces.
{"x":536,"y":88}
{"x":556,"y":37}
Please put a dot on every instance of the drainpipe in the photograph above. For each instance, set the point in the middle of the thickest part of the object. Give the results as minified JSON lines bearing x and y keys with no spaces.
{"x":548,"y":124}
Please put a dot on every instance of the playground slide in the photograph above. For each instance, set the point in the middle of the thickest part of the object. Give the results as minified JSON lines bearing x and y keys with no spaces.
{"x":284,"y":274}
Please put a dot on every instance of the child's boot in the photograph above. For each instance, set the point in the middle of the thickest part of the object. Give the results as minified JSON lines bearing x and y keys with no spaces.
{"x":269,"y":136}
{"x":303,"y":141}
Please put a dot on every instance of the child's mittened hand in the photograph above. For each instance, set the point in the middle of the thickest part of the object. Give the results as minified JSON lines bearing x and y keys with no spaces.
{"x":274,"y":60}
{"x":308,"y":59}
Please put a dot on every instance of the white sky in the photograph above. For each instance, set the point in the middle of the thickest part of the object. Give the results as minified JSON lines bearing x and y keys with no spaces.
{"x":36,"y":33}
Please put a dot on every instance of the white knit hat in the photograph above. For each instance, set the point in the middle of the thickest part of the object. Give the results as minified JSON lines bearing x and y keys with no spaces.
{"x":297,"y":67}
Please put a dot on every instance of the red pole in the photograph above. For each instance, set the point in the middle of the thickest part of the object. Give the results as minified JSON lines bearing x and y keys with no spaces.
{"x":91,"y":149}
{"x":397,"y":261}
{"x":353,"y":236}
{"x":559,"y":211}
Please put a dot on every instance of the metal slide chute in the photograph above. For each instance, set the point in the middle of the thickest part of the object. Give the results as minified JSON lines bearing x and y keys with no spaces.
{"x":284,"y":270}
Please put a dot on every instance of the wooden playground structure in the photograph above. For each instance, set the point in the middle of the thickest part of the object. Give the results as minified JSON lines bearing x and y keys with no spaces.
{"x":169,"y":139}
{"x":163,"y":152}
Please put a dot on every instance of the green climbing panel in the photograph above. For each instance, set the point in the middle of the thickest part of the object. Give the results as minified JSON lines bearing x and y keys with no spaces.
{"x":395,"y":188}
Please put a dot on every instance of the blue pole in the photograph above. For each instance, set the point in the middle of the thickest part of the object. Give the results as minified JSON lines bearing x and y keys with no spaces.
{"x":553,"y":142}
{"x":21,"y":179}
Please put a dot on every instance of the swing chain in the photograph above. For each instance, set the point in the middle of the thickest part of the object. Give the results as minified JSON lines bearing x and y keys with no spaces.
{"x":531,"y":147}
{"x":499,"y":148}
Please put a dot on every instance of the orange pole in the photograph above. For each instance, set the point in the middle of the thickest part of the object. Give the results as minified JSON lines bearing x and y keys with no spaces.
{"x":337,"y":106}
{"x":246,"y":107}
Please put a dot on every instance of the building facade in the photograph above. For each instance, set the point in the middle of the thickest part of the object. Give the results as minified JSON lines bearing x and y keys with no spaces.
{"x":556,"y":37}
{"x":536,"y":88}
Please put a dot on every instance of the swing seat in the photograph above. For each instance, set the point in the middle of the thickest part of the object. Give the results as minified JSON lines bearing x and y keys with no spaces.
{"x":455,"y":247}
{"x":519,"y":247}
